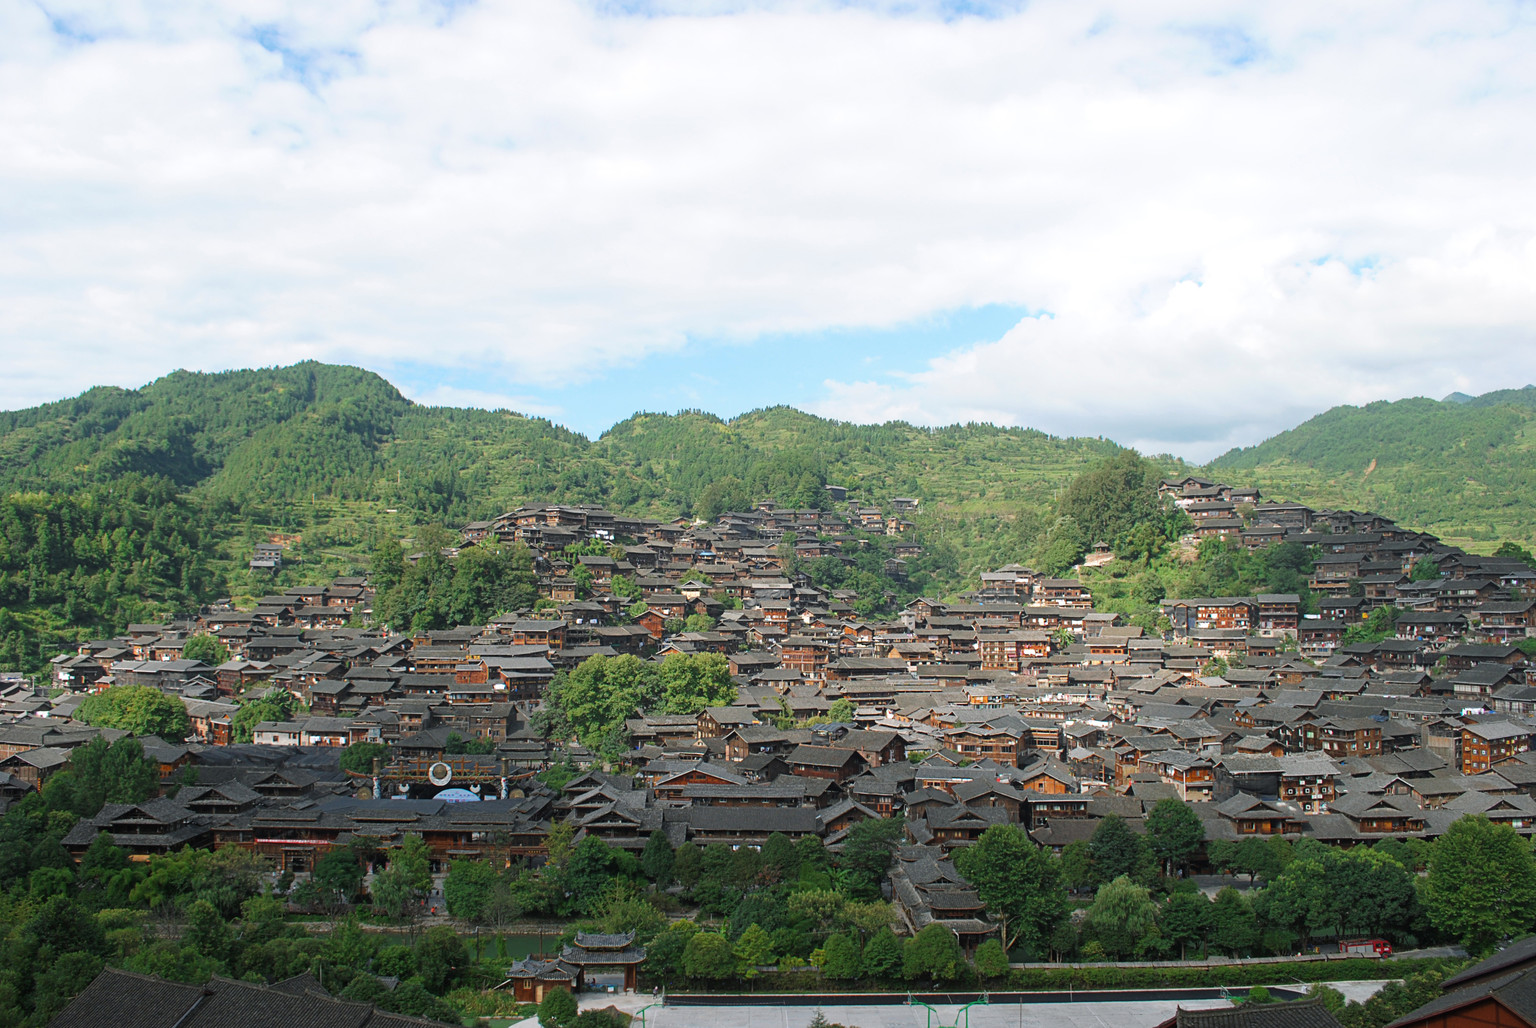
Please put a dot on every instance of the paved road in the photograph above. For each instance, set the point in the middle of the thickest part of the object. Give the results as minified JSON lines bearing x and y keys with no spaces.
{"x":1029,"y":1015}
{"x":774,"y":1013}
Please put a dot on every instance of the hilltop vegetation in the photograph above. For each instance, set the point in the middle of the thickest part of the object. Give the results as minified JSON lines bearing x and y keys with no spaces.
{"x":1461,"y":468}
{"x":264,"y":438}
{"x":196,"y":468}
{"x":127,"y":504}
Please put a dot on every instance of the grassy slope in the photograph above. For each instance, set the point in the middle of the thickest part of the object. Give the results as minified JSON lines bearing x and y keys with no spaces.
{"x":1461,"y":470}
{"x":338,"y":454}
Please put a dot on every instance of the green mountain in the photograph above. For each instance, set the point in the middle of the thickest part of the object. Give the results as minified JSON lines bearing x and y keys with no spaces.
{"x":267,"y":438}
{"x":122,"y":504}
{"x":1463,"y":467}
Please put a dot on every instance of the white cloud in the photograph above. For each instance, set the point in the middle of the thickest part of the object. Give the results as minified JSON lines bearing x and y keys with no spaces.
{"x":455,"y":396}
{"x":538,"y":188}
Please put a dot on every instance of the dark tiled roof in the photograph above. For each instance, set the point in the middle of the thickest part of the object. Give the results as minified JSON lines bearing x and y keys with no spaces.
{"x":1309,"y":1013}
{"x":127,"y":1000}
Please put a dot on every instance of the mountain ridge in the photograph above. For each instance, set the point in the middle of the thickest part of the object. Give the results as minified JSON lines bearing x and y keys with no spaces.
{"x":267,"y":437}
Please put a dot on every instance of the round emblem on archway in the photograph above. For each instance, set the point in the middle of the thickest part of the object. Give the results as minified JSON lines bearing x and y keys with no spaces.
{"x":440,"y":774}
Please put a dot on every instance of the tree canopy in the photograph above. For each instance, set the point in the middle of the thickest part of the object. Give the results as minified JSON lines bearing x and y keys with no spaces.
{"x":138,"y":710}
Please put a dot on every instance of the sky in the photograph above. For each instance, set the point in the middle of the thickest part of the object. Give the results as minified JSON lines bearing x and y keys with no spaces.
{"x":1182,"y":225}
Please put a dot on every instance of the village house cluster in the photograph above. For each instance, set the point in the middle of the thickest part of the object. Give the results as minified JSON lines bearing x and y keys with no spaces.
{"x":1020,"y":705}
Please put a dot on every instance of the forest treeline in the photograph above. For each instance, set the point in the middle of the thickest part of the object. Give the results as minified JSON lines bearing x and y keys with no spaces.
{"x":1460,"y":467}
{"x":283,"y":435}
{"x":124,"y":505}
{"x":96,"y":559}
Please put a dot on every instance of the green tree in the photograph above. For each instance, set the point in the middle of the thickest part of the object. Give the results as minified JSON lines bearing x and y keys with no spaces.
{"x":1481,"y":885}
{"x":1394,"y":1000}
{"x":843,"y":957}
{"x":1116,"y":850}
{"x":866,"y":854}
{"x":1234,"y":929}
{"x":338,"y":875}
{"x":398,"y":889}
{"x":991,"y":960}
{"x":557,"y":1009}
{"x":225,"y":877}
{"x":1112,"y":499}
{"x":205,"y":648}
{"x":933,"y":953}
{"x":1186,"y":920}
{"x":882,"y":954}
{"x":687,"y":865}
{"x":664,"y":955}
{"x":1174,"y":833}
{"x":709,"y":955}
{"x":779,"y":853}
{"x":441,"y":958}
{"x":691,"y":682}
{"x":1516,"y":552}
{"x":207,"y":931}
{"x":1077,"y":872}
{"x":100,"y":773}
{"x":468,"y":889}
{"x":138,"y":710}
{"x":1019,"y":882}
{"x":753,"y":950}
{"x":657,"y":859}
{"x":1379,"y":624}
{"x":1121,"y":916}
{"x":1424,"y":570}
{"x":358,"y":757}
{"x":590,"y":870}
{"x":276,"y":704}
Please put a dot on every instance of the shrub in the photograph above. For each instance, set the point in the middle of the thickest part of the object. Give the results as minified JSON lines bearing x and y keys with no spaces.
{"x":558,"y":1010}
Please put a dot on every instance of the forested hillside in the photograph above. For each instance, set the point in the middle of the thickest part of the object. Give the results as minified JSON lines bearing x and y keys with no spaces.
{"x":125,"y":504}
{"x":101,"y":557}
{"x":336,"y":457}
{"x":260,"y":439}
{"x":1461,"y":468}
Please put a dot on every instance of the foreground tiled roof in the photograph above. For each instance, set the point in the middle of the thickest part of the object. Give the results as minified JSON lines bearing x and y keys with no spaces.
{"x":1308,"y":1013}
{"x":123,"y":999}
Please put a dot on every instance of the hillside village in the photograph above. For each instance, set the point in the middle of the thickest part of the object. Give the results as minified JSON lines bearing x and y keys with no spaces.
{"x":1019,"y":704}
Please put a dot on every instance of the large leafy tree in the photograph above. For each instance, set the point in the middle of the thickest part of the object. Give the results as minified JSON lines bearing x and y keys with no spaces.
{"x":657,"y":858}
{"x":691,"y":682}
{"x":1482,"y":883}
{"x":205,"y":648}
{"x":468,"y":889}
{"x":276,"y":704}
{"x":1174,"y":833}
{"x":709,"y":955}
{"x":1186,"y":920}
{"x":1116,"y":850}
{"x":399,"y":887}
{"x":359,"y":756}
{"x":1019,"y":882}
{"x":338,"y":876}
{"x":1111,"y":499}
{"x":843,"y":958}
{"x":1361,"y":891}
{"x":594,"y":698}
{"x":867,"y":854}
{"x":100,"y":773}
{"x":138,"y":710}
{"x":1234,"y":928}
{"x":934,"y":953}
{"x":1122,"y":915}
{"x":434,"y":591}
